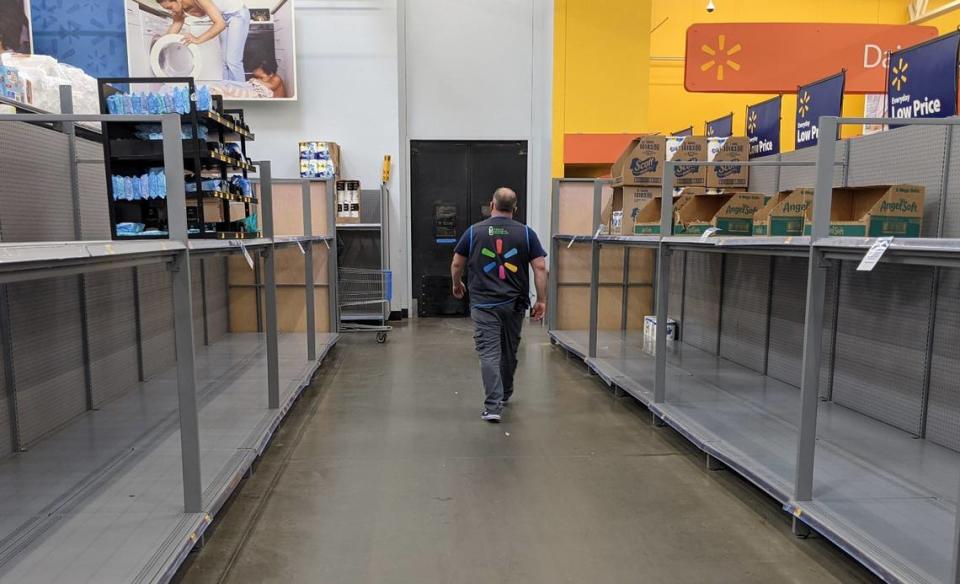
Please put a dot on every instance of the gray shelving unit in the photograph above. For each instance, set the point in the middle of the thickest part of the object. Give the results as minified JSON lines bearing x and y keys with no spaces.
{"x":833,"y":391}
{"x":365,"y":246}
{"x":131,"y":411}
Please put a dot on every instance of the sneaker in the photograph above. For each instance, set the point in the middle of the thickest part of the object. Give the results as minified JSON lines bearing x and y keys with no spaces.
{"x":490,"y":417}
{"x":504,"y":401}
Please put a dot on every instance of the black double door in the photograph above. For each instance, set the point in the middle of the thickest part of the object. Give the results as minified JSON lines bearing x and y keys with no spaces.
{"x":452,"y":183}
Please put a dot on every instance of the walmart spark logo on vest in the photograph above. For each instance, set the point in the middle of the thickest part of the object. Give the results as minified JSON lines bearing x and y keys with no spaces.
{"x":499,"y":258}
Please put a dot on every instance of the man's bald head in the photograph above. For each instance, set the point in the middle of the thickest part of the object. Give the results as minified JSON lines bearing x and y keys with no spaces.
{"x":505,"y":200}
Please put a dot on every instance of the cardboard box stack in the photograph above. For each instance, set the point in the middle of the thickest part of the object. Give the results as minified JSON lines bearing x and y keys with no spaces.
{"x":734,"y":176}
{"x":320,"y":160}
{"x":874,"y":211}
{"x":638,"y":179}
{"x":688,"y":149}
{"x":641,"y":163}
{"x":348,"y":201}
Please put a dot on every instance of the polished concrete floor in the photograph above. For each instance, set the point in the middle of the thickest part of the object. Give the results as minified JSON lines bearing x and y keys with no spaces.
{"x":385,"y":473}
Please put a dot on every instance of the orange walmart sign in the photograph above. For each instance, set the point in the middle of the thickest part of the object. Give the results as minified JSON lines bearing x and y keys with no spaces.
{"x":777,"y":57}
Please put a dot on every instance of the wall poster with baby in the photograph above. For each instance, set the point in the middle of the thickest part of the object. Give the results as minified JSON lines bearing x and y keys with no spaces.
{"x":15,"y":31}
{"x":241,"y":49}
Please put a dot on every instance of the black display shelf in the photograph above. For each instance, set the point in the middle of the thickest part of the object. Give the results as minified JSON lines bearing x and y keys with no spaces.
{"x":205,"y":158}
{"x":152,"y":150}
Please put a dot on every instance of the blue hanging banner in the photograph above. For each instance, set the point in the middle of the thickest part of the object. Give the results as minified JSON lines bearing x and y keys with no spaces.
{"x":922,"y":79}
{"x":720,"y":127}
{"x":763,"y":127}
{"x":683,"y":133}
{"x":820,"y":98}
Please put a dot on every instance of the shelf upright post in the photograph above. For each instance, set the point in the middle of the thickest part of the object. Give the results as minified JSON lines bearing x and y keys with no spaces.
{"x":595,"y":270}
{"x":270,"y":287}
{"x":625,"y":297}
{"x":203,"y":300}
{"x":66,"y":107}
{"x":813,"y":321}
{"x":663,"y":284}
{"x":308,"y":284}
{"x":332,"y":282}
{"x":553,"y":284}
{"x":183,"y":316}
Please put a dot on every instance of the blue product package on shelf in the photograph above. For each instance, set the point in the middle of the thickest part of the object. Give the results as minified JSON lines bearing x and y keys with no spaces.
{"x":128,"y":228}
{"x":204,"y":99}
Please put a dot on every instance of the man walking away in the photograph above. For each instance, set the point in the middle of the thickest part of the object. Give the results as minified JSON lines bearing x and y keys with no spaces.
{"x":499,"y":253}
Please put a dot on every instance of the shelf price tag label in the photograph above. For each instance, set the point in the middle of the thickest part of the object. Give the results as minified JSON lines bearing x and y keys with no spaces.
{"x":300,"y":245}
{"x":246,"y":255}
{"x":873,"y":255}
{"x":710,"y":231}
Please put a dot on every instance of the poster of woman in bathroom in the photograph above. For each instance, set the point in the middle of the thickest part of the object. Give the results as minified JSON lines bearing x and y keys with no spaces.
{"x":242,"y":49}
{"x":15,"y":26}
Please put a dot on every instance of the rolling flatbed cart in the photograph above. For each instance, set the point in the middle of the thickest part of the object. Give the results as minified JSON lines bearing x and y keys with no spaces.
{"x":364,"y":297}
{"x":365,"y":282}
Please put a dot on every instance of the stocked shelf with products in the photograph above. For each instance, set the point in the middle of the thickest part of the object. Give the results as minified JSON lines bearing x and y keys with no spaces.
{"x":213,"y":141}
{"x":830,"y":388}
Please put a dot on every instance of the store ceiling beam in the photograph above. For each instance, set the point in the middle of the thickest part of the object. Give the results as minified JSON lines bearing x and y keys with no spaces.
{"x":920,"y":13}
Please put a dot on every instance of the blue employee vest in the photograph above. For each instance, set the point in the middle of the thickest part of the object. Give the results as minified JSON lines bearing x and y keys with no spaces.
{"x":499,"y":262}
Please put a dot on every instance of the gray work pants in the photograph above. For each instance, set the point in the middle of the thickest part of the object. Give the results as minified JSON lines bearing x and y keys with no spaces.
{"x":497,"y":335}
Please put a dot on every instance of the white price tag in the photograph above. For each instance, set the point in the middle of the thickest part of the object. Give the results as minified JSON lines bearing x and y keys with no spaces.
{"x":326,"y":243}
{"x":300,"y":245}
{"x":599,"y":231}
{"x":246,"y":255}
{"x":572,"y":241}
{"x":873,"y":255}
{"x":708,"y":233}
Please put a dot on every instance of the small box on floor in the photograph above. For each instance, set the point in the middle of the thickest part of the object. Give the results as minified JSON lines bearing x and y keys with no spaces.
{"x":650,"y":328}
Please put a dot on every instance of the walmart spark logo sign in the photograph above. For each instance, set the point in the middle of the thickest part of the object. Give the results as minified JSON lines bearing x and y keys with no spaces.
{"x":820,"y":98}
{"x":804,"y":102}
{"x":720,"y":56}
{"x":922,"y":81}
{"x":720,"y":127}
{"x":900,"y":74}
{"x":499,"y":260}
{"x":763,"y":127}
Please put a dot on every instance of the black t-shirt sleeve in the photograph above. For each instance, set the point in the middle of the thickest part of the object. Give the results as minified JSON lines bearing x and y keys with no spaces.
{"x":536,"y":249}
{"x":463,"y":246}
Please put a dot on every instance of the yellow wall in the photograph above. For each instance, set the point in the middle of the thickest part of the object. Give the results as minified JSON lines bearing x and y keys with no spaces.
{"x":601,"y":69}
{"x":602,"y":57}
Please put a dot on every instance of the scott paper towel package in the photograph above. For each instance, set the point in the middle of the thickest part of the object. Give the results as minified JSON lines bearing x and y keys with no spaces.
{"x":733,"y":150}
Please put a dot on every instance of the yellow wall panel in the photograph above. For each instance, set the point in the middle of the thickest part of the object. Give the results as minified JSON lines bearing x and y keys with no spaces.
{"x":601,"y":68}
